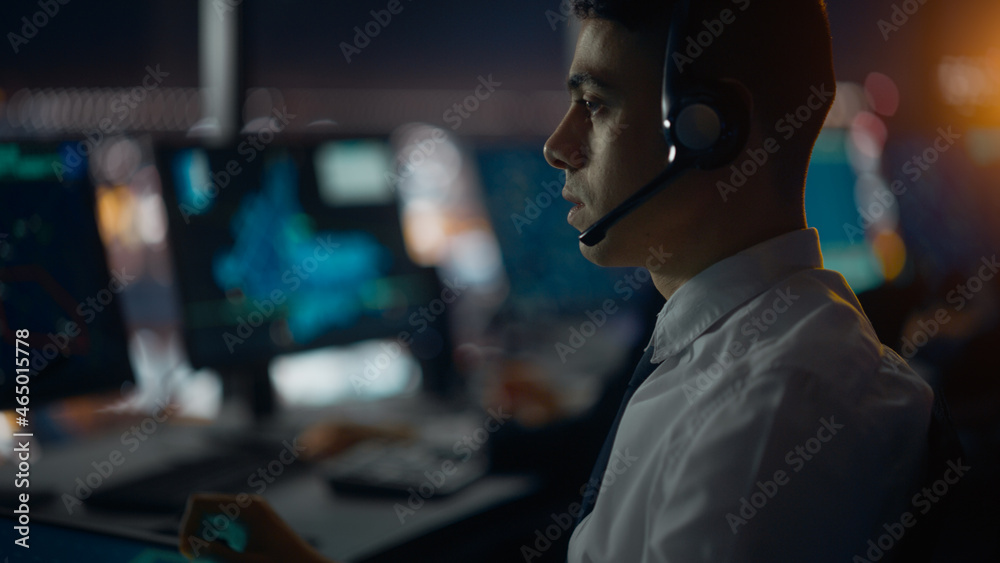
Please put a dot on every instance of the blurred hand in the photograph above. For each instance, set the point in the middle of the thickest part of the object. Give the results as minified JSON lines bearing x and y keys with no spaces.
{"x":516,"y":385}
{"x":92,"y":414}
{"x":253,"y":530}
{"x":330,"y":437}
{"x":521,"y":388}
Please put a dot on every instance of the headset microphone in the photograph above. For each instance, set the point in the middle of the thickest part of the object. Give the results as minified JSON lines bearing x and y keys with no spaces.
{"x":705,"y":124}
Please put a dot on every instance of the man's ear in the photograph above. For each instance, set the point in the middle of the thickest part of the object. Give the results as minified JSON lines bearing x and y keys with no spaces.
{"x":746,"y":96}
{"x":742,"y":91}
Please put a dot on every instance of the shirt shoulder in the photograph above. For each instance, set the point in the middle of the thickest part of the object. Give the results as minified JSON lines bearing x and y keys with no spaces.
{"x":794,"y":393}
{"x":824,"y":335}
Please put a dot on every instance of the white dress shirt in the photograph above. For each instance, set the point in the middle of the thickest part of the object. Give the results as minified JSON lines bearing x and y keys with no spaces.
{"x":775,"y":428}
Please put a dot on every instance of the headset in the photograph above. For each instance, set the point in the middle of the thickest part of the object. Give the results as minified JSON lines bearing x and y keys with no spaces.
{"x":705,"y":123}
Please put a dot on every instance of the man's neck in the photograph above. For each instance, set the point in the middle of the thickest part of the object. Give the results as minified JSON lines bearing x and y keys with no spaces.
{"x":706,"y":251}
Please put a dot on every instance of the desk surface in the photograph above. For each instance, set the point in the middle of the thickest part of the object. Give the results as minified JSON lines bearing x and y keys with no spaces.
{"x":344,"y":527}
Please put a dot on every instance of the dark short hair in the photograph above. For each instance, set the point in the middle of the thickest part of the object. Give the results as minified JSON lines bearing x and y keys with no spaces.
{"x":779,"y":49}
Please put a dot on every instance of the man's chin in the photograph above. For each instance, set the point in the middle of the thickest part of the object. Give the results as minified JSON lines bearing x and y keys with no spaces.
{"x":603,"y":254}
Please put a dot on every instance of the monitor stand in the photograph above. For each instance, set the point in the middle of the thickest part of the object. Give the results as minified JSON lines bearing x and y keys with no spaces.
{"x":251,"y":385}
{"x":250,"y":411}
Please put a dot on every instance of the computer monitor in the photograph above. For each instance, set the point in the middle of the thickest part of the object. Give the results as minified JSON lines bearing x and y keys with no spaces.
{"x":294,"y":248}
{"x":54,"y":280}
{"x":832,"y":208}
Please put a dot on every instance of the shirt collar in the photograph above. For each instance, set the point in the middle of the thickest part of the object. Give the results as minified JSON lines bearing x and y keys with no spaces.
{"x":730,"y":282}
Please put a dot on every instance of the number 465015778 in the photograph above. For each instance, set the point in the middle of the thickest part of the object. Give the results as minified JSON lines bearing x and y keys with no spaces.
{"x":22,"y":361}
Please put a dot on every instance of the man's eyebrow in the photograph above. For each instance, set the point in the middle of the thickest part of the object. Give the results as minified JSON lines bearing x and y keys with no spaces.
{"x":580,"y":79}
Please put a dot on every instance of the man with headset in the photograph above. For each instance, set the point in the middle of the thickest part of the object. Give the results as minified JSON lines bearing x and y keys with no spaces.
{"x":766,"y":422}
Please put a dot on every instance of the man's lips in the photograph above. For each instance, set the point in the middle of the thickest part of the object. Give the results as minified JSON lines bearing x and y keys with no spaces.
{"x":571,"y":198}
{"x":577,"y":207}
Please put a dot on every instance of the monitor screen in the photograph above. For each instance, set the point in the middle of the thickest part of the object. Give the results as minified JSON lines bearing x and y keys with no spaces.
{"x":287,"y":249}
{"x":832,"y":208}
{"x":54,"y":280}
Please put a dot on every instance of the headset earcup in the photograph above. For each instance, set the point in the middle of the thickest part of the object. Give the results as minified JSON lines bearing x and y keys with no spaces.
{"x":706,"y":122}
{"x":709,"y":127}
{"x":735,"y":116}
{"x":698,"y":126}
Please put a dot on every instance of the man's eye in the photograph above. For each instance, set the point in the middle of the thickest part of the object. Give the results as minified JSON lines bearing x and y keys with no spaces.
{"x":591,"y":106}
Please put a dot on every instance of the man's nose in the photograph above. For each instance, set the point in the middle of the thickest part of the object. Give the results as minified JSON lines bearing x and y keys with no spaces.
{"x":564,"y":148}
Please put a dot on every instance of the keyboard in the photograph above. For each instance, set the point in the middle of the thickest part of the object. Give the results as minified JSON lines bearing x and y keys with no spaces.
{"x":400,"y":469}
{"x":166,"y":491}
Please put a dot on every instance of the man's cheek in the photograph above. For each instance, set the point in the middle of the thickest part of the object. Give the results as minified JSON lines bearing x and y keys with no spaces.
{"x":608,"y":196}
